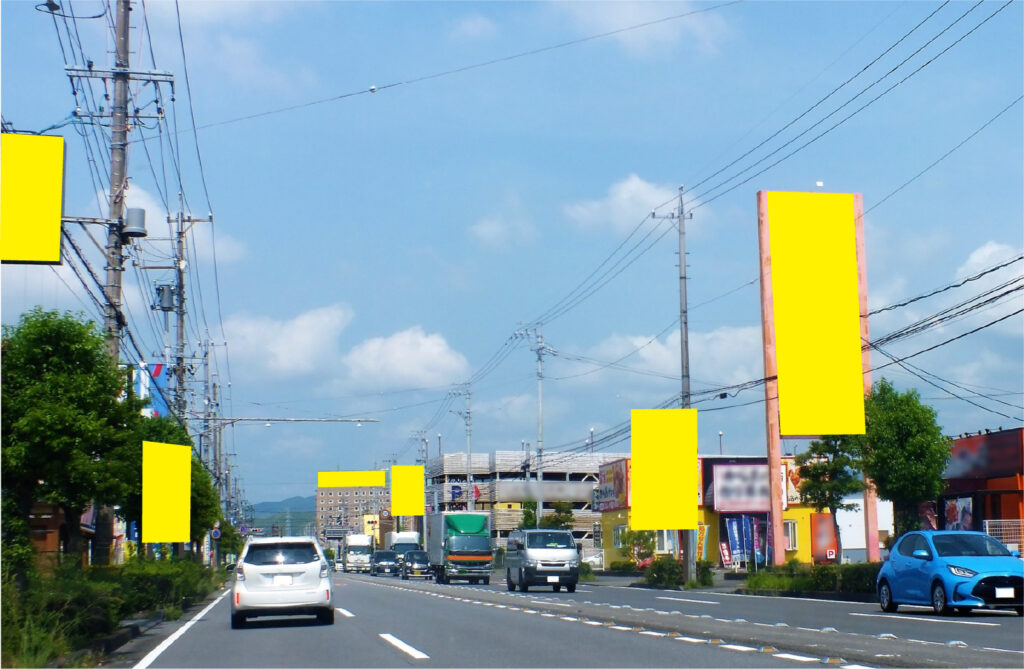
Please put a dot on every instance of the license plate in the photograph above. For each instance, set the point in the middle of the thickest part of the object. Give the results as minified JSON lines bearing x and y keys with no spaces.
{"x":417,"y":572}
{"x":552,"y":579}
{"x":387,"y":570}
{"x":282,"y":579}
{"x":1004,"y":593}
{"x":462,"y":571}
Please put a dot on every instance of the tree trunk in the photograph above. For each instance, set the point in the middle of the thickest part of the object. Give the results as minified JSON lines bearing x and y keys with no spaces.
{"x":103,"y":539}
{"x":73,"y":521}
{"x":839,"y":551}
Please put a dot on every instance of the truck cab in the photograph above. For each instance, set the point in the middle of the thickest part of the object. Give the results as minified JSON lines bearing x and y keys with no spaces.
{"x":459,"y":546}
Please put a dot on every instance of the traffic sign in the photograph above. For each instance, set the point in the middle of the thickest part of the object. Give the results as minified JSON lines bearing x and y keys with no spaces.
{"x":216,"y":533}
{"x":243,"y":529}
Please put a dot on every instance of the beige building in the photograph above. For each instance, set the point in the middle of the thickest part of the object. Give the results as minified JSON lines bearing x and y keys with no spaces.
{"x":344,"y":508}
{"x":503,"y":480}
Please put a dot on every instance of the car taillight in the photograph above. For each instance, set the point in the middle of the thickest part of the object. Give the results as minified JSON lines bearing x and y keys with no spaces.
{"x":323,"y":570}
{"x":239,"y":573}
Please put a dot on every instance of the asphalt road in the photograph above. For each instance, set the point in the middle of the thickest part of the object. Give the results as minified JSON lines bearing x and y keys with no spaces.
{"x":386,"y":622}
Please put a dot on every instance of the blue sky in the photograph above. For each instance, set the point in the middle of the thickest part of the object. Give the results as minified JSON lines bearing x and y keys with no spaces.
{"x":392,"y":241}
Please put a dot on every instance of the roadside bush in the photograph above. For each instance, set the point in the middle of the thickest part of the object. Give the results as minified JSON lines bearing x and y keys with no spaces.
{"x":586,"y":572}
{"x":859,"y":577}
{"x":796,"y":576}
{"x":623,"y":566}
{"x":665,"y":572}
{"x":705,"y":577}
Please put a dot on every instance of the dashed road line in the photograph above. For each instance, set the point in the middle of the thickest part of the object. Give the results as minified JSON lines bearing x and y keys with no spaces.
{"x":927,"y":620}
{"x":344,"y":612}
{"x":683,"y":599}
{"x":796,"y":658}
{"x":414,"y":653}
{"x":534,"y":601}
{"x":1004,"y":650}
{"x":735,"y":646}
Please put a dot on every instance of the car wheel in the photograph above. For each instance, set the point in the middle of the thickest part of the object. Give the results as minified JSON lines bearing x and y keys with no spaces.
{"x":571,"y":587}
{"x":508,"y":581}
{"x":405,"y":576}
{"x":326,"y":617}
{"x":939,"y":602}
{"x":885,"y":598}
{"x":237,"y":621}
{"x":556,"y":588}
{"x":523,"y":585}
{"x":487,"y":580}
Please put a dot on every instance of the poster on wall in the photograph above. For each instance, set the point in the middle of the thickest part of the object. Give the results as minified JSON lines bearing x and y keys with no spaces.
{"x":613,"y":486}
{"x":959,"y":514}
{"x":700,"y":482}
{"x":792,"y":482}
{"x":928,"y":518}
{"x":823,"y":538}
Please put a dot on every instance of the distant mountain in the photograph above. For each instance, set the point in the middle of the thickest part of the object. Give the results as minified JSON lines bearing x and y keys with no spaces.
{"x":293,"y":504}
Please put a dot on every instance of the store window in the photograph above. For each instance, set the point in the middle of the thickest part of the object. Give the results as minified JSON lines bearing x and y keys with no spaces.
{"x":666,"y":541}
{"x":617,"y":533}
{"x":789,"y":529}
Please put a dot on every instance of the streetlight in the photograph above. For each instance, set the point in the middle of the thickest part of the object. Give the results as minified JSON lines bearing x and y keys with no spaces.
{"x":591,"y":442}
{"x":719,"y":442}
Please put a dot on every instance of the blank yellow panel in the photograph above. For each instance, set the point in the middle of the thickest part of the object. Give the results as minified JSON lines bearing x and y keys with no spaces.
{"x":407,"y":490}
{"x":663,"y":476}
{"x":817,"y":313}
{"x":166,"y":492}
{"x":373,"y":478}
{"x":31,"y":197}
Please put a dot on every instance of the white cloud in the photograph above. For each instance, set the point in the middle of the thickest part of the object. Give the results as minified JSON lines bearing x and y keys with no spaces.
{"x":705,"y":31}
{"x":241,"y":59}
{"x":515,"y":409}
{"x":499,"y":232}
{"x":301,"y":345}
{"x":622,"y":208}
{"x":407,"y":358}
{"x":473,"y":27}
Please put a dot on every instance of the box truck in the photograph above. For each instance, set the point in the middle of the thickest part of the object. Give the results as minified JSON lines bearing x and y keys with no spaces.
{"x":459,"y":546}
{"x":356,"y":552}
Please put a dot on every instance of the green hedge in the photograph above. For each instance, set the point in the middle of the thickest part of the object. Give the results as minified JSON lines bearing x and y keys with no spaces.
{"x":623,"y":566}
{"x":798,"y":577}
{"x":49,"y":615}
{"x":665,"y":572}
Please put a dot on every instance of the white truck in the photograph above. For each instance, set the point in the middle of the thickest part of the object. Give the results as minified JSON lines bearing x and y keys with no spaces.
{"x":356,"y":552}
{"x":400,"y":542}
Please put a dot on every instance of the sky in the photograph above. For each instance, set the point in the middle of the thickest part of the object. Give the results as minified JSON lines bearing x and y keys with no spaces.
{"x":377,"y":248}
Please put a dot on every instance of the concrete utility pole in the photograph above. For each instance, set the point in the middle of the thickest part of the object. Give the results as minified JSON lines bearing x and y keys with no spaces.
{"x":118,"y":181}
{"x":179,"y":308}
{"x":467,"y":416}
{"x":686,"y":549}
{"x":540,"y":424}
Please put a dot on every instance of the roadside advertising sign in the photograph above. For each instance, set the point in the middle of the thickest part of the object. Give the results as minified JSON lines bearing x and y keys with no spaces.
{"x":613,"y":486}
{"x":740,"y":488}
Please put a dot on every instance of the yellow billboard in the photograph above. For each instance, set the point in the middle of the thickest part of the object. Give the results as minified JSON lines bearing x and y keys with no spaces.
{"x":407,"y":490}
{"x":663,"y":469}
{"x":31,"y":198}
{"x":166,"y":492}
{"x":815,"y":293}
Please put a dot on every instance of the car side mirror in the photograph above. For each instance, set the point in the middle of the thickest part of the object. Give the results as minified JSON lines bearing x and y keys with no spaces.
{"x":579,"y":548}
{"x":1015,"y":554}
{"x":922,"y":554}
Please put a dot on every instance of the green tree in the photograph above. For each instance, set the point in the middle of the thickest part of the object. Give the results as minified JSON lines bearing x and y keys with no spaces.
{"x":640,"y":543}
{"x":128,"y":461}
{"x":231,"y":540}
{"x":529,"y":520}
{"x":63,"y":415}
{"x":561,"y":519}
{"x":829,"y":471}
{"x":205,"y":502}
{"x":903,"y":451}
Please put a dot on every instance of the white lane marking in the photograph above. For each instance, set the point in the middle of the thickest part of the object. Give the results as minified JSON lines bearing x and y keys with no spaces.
{"x":683,"y":599}
{"x":690,"y":639}
{"x":742,"y":649}
{"x":927,"y":620}
{"x":404,"y":647}
{"x":796,"y":658}
{"x":584,"y":590}
{"x":569,"y":618}
{"x":650,"y":633}
{"x":593,"y":622}
{"x":344,"y":612}
{"x":534,"y":601}
{"x":166,"y":643}
{"x":621,"y":628}
{"x":799,"y":599}
{"x":1003,"y":650}
{"x":854,"y":666}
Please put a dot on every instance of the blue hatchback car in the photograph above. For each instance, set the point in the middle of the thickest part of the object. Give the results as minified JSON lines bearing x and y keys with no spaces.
{"x":951,"y":570}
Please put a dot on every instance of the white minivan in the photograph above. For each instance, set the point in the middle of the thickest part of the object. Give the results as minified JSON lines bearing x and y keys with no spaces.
{"x":542,"y":557}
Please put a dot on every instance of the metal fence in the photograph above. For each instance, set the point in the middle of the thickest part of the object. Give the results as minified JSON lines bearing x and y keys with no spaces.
{"x":1007,"y":531}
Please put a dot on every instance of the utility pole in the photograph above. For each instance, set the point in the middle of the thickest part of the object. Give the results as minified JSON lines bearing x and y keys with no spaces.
{"x":467,"y":416}
{"x":540,"y":423}
{"x":686,"y":548}
{"x":118,"y":181}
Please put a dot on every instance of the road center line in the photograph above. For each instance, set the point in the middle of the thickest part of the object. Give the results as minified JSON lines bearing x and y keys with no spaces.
{"x":344,"y":612}
{"x":927,"y":620}
{"x":683,"y":599}
{"x":404,"y":647}
{"x":166,"y":643}
{"x":534,"y":601}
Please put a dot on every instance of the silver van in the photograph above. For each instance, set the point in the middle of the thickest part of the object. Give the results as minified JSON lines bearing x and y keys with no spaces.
{"x":542,"y":557}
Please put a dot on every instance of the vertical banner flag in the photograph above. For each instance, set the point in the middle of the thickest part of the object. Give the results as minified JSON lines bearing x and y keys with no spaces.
{"x":31,"y":198}
{"x":408,"y":497}
{"x":663,"y":472}
{"x":166,"y":492}
{"x":748,"y":538}
{"x":732,"y":526}
{"x":815,"y":291}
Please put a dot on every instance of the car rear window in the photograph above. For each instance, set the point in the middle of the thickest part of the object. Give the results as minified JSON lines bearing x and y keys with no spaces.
{"x":282,"y":553}
{"x":416,"y":556}
{"x":976,"y":545}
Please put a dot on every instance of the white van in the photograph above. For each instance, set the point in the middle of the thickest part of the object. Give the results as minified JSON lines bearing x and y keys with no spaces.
{"x":542,"y":557}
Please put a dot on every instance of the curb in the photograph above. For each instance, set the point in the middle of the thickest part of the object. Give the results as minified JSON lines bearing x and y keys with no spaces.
{"x":865,"y":597}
